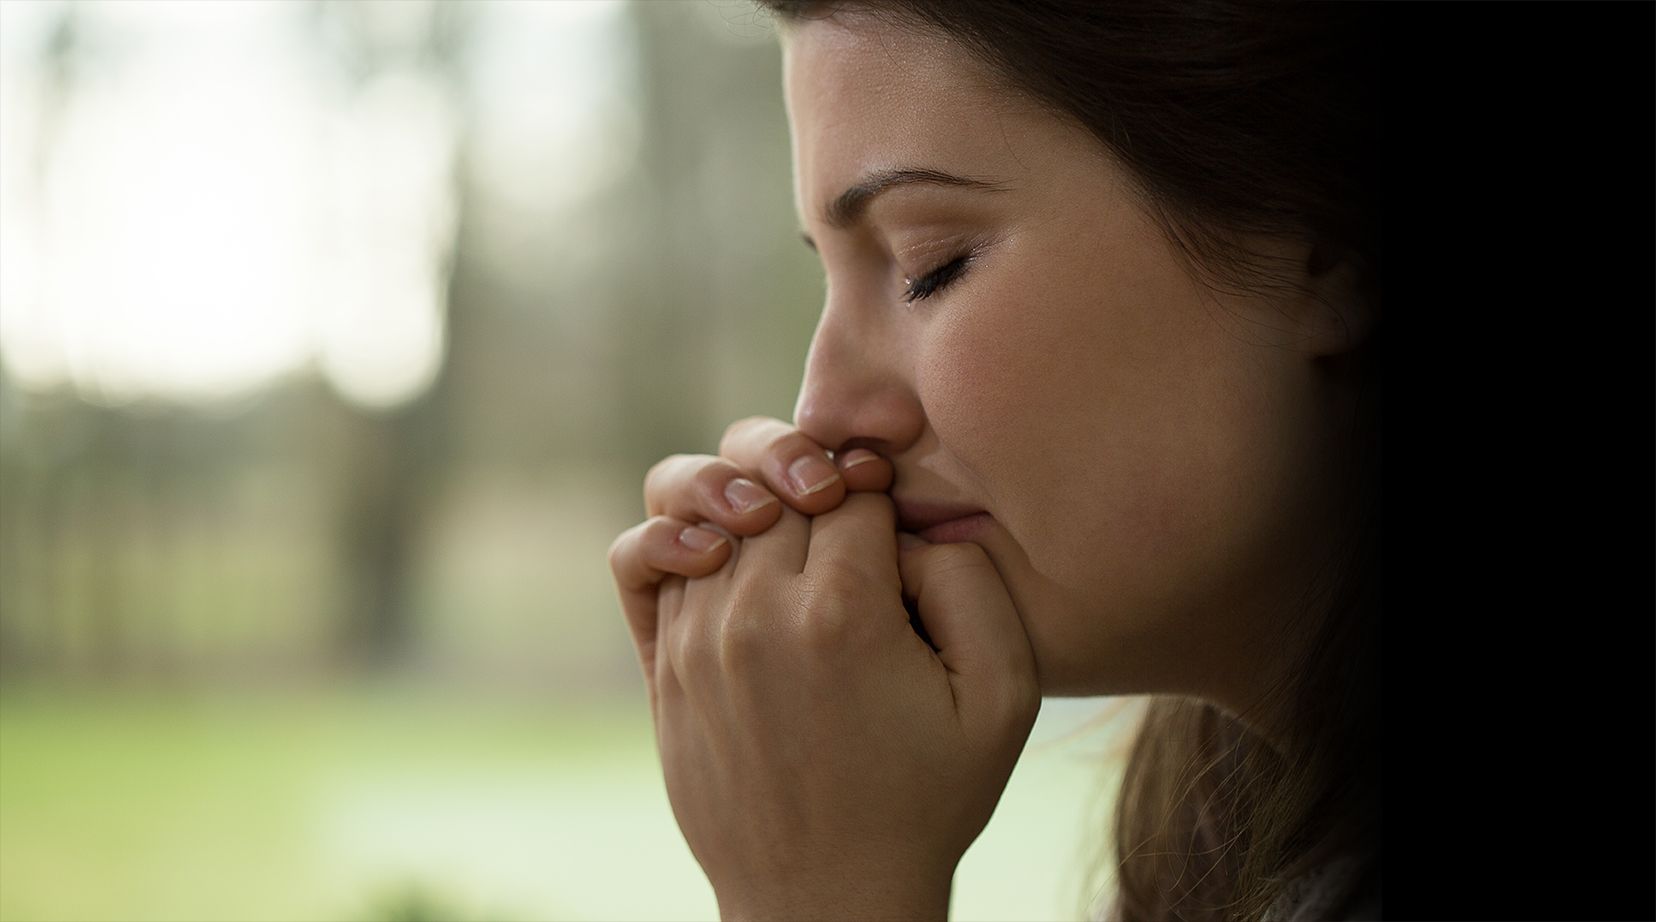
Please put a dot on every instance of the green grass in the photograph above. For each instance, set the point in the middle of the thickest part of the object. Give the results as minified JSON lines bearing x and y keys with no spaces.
{"x":405,"y":805}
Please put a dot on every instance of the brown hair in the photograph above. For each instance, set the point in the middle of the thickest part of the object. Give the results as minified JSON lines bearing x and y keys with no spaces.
{"x":1233,"y":119}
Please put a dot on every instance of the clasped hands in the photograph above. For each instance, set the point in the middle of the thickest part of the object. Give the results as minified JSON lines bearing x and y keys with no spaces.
{"x":822,"y":760}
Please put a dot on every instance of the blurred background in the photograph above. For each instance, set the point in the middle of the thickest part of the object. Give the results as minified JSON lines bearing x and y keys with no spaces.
{"x":335,"y":341}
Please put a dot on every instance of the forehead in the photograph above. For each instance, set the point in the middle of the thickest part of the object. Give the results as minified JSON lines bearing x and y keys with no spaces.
{"x":863,"y":95}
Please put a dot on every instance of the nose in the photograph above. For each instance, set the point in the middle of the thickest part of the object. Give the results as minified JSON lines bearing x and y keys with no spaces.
{"x":858,"y":389}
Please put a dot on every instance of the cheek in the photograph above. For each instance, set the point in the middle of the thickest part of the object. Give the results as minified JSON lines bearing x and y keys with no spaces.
{"x":1108,"y":431}
{"x":990,"y":392}
{"x":1012,"y":391}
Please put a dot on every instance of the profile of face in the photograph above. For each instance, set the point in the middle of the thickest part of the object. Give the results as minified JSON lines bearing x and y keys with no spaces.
{"x":1151,"y":454}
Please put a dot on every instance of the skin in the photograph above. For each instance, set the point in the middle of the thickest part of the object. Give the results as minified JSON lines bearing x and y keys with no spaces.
{"x":1154,"y":454}
{"x":1158,"y":460}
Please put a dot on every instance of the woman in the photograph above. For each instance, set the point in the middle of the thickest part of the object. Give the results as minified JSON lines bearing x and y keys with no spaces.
{"x":1093,"y":399}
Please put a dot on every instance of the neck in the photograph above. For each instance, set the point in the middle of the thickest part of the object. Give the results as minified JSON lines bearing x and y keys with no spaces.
{"x":1288,"y":613}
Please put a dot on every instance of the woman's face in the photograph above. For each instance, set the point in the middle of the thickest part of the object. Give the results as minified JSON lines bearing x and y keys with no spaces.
{"x":1144,"y":448}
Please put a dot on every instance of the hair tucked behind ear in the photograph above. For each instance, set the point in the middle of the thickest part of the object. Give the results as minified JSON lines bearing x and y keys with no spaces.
{"x":1235,"y":120}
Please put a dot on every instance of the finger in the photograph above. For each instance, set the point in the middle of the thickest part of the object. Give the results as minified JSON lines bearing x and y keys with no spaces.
{"x":858,"y":540}
{"x":698,"y":488}
{"x":664,"y":680}
{"x":864,"y":471}
{"x":979,"y":636}
{"x":789,"y":463}
{"x":781,"y":549}
{"x":645,"y":554}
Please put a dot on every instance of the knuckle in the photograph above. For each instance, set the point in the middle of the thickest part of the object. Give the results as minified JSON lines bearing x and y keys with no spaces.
{"x":660,"y":528}
{"x":618,"y":549}
{"x":658,"y":477}
{"x":709,"y":481}
{"x":657,"y":535}
{"x":836,"y":585}
{"x":683,"y":654}
{"x":625,"y":545}
{"x":1021,"y":705}
{"x":1010,"y":704}
{"x":1026,"y":699}
{"x":694,"y":652}
{"x":740,"y":428}
{"x":742,"y":642}
{"x":660,"y":468}
{"x":828,"y":623}
{"x":826,"y":631}
{"x":699,"y":657}
{"x":792,"y":443}
{"x":748,"y":595}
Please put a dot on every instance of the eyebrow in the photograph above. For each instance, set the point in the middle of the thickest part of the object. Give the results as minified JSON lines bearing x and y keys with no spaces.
{"x":847,"y":208}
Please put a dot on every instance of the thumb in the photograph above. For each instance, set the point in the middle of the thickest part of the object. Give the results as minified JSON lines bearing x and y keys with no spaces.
{"x":977,"y":631}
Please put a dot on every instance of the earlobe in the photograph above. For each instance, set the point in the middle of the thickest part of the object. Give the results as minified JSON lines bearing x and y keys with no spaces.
{"x":1337,"y":311}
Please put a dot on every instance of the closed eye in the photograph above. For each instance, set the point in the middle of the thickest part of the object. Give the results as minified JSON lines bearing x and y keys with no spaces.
{"x":936,"y":280}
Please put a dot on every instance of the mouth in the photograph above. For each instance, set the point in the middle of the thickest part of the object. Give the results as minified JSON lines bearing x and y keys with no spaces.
{"x":940,"y":523}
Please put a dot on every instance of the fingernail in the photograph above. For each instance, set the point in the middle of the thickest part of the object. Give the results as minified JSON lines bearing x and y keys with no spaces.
{"x":700,"y":540}
{"x":811,"y":474}
{"x":745,"y":496}
{"x":857,"y":456}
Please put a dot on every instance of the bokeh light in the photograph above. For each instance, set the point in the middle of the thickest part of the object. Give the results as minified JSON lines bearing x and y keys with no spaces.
{"x":335,"y":341}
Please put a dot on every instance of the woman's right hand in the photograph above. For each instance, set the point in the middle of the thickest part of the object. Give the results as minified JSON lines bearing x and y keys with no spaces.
{"x":696,"y":503}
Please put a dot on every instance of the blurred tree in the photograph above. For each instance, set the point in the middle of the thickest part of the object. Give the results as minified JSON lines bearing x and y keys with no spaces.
{"x":290,"y":528}
{"x":397,"y":458}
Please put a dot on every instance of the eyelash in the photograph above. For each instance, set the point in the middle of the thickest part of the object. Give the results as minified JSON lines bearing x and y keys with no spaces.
{"x":937,"y":280}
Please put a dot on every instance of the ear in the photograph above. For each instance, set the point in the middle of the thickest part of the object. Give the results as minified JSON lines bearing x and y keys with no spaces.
{"x":1338,"y":306}
{"x":1295,"y":294}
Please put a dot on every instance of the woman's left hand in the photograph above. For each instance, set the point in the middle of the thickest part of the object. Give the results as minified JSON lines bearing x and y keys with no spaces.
{"x":820,"y":757}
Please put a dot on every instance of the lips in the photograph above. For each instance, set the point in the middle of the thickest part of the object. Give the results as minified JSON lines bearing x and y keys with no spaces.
{"x":914,"y":515}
